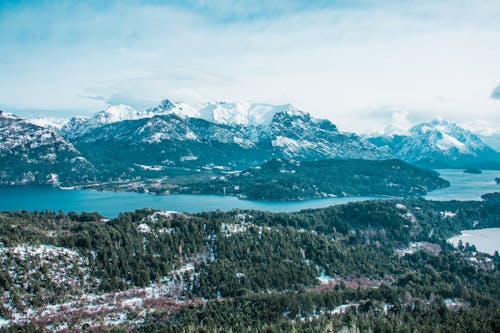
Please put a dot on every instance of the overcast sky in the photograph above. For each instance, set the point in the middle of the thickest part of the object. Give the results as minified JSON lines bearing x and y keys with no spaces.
{"x":361,"y":64}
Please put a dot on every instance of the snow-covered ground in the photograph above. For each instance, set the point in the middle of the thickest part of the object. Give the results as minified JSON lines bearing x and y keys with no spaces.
{"x":96,"y":311}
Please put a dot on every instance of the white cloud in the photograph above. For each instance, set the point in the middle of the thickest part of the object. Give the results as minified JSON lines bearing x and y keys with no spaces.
{"x":427,"y":58}
{"x":496,"y":92}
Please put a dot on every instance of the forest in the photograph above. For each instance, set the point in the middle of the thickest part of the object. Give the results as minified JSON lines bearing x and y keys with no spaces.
{"x":284,"y":180}
{"x":382,"y":265}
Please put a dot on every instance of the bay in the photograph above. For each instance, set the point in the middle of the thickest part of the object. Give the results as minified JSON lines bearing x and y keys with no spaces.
{"x":465,"y":186}
{"x":486,"y":240}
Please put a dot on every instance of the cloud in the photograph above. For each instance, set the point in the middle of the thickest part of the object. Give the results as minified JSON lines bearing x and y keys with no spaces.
{"x":335,"y":59}
{"x":495,"y":94}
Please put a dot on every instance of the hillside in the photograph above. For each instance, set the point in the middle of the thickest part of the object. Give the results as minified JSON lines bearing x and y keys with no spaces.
{"x":294,"y":180}
{"x":242,"y":270}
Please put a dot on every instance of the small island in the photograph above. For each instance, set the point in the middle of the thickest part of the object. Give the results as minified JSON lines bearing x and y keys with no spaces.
{"x":473,"y":171}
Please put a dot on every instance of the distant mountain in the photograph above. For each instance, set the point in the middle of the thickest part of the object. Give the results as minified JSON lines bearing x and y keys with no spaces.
{"x":299,"y":136}
{"x":80,"y":125}
{"x":42,"y":121}
{"x":438,"y":144}
{"x":280,"y":179}
{"x":174,"y":134}
{"x":226,"y":113}
{"x":35,"y":154}
{"x":492,"y":140}
{"x":121,"y":143}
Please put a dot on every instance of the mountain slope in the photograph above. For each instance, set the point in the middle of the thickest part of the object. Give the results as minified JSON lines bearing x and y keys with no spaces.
{"x":34,"y":154}
{"x":438,"y":144}
{"x":167,"y":142}
{"x":299,"y":136}
{"x":234,"y":135}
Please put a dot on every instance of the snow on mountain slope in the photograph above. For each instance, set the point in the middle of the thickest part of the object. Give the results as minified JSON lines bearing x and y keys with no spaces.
{"x":75,"y":127}
{"x":226,"y":113}
{"x":221,"y":133}
{"x":49,"y":122}
{"x":181,"y":109}
{"x":79,"y":125}
{"x":439,"y":143}
{"x":35,"y":154}
{"x":283,"y":129}
{"x":256,"y":114}
{"x":299,"y":136}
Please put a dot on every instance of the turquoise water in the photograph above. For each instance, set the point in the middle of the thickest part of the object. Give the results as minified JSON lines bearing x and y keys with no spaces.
{"x":110,"y":204}
{"x":486,"y":240}
{"x":463,"y":187}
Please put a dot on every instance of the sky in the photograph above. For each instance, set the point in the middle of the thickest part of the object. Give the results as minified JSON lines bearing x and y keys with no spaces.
{"x":365,"y":65}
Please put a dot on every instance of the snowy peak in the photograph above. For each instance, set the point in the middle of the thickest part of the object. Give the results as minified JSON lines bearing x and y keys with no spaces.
{"x":227,"y":113}
{"x":258,"y":116}
{"x":445,"y":136}
{"x":36,"y":154}
{"x":48,"y":122}
{"x":438,"y":144}
{"x":7,"y":115}
{"x":166,"y":106}
{"x":115,"y":113}
{"x":243,"y":114}
{"x":78,"y":125}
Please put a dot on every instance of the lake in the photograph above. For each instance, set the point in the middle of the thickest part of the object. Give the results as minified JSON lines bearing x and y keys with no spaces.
{"x":486,"y":240}
{"x":463,"y":187}
{"x":110,"y":204}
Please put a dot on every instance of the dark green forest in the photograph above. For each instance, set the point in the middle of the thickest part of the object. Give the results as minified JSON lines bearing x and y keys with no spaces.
{"x":258,"y":271}
{"x":284,"y":180}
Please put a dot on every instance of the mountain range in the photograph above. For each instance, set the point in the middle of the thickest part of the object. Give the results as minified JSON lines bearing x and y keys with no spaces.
{"x":174,"y":137}
{"x":438,"y":144}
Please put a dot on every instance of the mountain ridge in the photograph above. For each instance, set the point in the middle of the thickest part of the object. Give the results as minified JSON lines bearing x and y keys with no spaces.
{"x":175,"y":136}
{"x":438,"y":143}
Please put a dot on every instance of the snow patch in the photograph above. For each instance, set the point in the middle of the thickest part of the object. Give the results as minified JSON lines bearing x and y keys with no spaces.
{"x":447,"y":214}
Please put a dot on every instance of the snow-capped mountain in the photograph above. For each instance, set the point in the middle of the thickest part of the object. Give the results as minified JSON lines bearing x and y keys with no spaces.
{"x":121,"y":142}
{"x":49,"y":122}
{"x":438,"y":143}
{"x":35,"y":154}
{"x":79,"y":125}
{"x":297,"y":135}
{"x":240,"y":135}
{"x":226,"y":113}
{"x":254,"y":116}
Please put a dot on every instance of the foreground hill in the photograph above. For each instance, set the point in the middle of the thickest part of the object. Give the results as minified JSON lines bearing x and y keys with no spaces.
{"x":293,"y":180}
{"x":371,"y":266}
